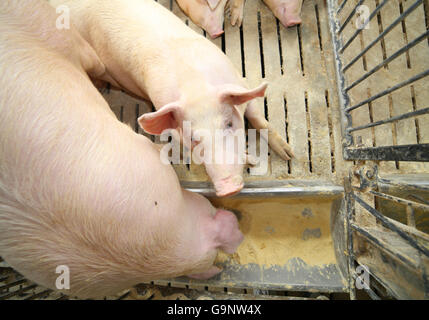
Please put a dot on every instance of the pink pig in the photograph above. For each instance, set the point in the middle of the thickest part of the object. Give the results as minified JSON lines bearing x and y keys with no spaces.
{"x":287,"y":11}
{"x":209,"y":14}
{"x":156,"y":56}
{"x":79,"y":189}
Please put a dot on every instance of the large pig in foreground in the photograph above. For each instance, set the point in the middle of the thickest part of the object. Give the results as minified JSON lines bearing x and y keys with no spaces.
{"x":287,"y":11}
{"x":77,"y":187}
{"x":150,"y":52}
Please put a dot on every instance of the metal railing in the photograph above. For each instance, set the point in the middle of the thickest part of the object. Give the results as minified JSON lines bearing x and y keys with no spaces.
{"x":353,"y":150}
{"x":374,"y":198}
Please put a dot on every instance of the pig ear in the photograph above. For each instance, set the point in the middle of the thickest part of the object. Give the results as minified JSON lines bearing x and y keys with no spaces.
{"x":237,"y":95}
{"x":164,"y":118}
{"x":213,"y":3}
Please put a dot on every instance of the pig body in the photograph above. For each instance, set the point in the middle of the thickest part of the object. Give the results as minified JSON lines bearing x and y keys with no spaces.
{"x":287,"y":11}
{"x":149,"y":51}
{"x":77,"y":187}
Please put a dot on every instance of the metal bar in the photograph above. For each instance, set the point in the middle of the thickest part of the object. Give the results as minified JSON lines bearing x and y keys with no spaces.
{"x":411,"y":182}
{"x":377,"y":242}
{"x":15,"y":283}
{"x":38,"y":295}
{"x":415,"y":152}
{"x":400,"y":200}
{"x":385,"y":92}
{"x":293,"y":188}
{"x":382,"y":283}
{"x":14,"y":293}
{"x":350,"y":211}
{"x":410,"y":230}
{"x":392,"y":57}
{"x":386,"y":31}
{"x":346,"y":120}
{"x":372,"y":15}
{"x":8,"y":271}
{"x":341,"y":6}
{"x":393,"y":119}
{"x":419,"y":198}
{"x":391,"y":226}
{"x":276,"y":191}
{"x":350,"y":16}
{"x":370,"y":292}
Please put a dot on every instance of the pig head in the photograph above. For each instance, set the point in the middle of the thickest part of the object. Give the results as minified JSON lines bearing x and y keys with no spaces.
{"x":207,"y":14}
{"x":215,"y":117}
{"x":287,"y":11}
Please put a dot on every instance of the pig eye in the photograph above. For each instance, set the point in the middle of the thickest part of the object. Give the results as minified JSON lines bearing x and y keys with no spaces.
{"x":229,"y":124}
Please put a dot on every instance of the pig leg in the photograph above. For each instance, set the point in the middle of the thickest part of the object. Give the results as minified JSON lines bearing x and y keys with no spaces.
{"x":237,"y":9}
{"x":276,"y":142}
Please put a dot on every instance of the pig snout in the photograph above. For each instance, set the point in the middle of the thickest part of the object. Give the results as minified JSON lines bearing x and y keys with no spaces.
{"x":229,"y":235}
{"x":214,"y":26}
{"x":228,"y":186}
{"x":215,"y":34}
{"x":289,"y":13}
{"x":288,"y":19}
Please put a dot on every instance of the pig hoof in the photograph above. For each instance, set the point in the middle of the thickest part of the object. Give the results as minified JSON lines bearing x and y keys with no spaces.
{"x":251,"y":160}
{"x":206,"y":275}
{"x":280,"y":146}
{"x":236,"y":17}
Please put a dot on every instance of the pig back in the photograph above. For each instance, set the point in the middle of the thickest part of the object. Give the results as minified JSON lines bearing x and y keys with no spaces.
{"x":75,"y":185}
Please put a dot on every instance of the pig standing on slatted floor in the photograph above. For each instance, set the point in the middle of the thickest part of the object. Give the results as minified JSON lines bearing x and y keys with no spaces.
{"x":77,"y":187}
{"x":150,"y":52}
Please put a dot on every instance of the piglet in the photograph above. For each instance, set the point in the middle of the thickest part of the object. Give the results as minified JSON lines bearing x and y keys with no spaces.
{"x":86,"y":205}
{"x":287,"y":11}
{"x":188,"y":79}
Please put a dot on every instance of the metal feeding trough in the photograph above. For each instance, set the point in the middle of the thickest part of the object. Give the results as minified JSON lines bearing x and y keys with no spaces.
{"x":348,"y":90}
{"x":288,"y":246}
